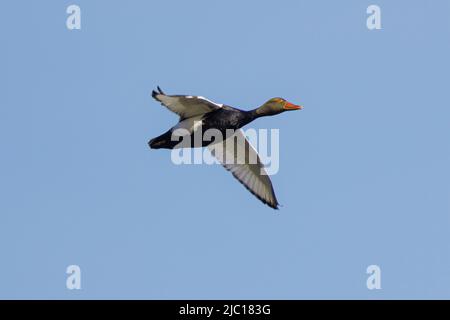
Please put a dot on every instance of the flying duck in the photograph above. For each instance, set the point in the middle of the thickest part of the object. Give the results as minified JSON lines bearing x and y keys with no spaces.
{"x":199,"y":113}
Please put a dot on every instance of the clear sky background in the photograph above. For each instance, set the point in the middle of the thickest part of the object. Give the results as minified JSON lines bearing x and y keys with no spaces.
{"x":364,"y":169}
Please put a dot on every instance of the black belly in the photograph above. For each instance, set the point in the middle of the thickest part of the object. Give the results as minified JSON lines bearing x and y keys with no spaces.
{"x":222,"y":120}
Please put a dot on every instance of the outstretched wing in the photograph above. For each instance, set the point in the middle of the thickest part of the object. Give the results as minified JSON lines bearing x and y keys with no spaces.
{"x":185,"y":106}
{"x":242,"y":160}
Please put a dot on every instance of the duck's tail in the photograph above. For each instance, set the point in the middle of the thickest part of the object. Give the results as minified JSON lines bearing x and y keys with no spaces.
{"x":163,"y":141}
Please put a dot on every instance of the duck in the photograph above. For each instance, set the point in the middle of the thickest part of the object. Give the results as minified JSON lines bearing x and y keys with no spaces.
{"x":199,"y":113}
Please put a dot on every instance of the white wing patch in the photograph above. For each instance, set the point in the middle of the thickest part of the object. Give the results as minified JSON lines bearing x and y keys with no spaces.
{"x":219,"y":105}
{"x":190,"y":124}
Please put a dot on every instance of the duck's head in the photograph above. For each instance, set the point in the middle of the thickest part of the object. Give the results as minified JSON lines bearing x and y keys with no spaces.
{"x":276,"y":106}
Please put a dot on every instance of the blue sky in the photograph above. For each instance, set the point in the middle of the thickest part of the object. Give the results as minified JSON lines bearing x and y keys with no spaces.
{"x":364,"y":168}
